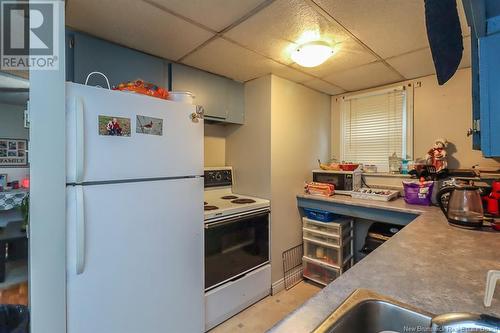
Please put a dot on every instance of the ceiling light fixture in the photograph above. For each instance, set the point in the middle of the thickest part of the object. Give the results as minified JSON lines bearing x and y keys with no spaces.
{"x":312,"y":54}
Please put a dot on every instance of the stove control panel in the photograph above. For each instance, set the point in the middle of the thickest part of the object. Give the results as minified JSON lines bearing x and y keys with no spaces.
{"x":214,"y":178}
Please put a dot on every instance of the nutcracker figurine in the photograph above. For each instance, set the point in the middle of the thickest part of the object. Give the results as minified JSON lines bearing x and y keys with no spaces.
{"x":436,"y":156}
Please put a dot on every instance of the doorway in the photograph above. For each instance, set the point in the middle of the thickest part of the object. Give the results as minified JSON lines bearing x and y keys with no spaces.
{"x":14,"y":187}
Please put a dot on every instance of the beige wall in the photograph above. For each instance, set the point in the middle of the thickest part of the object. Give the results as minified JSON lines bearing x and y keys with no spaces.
{"x":215,"y":145}
{"x":300,"y":127}
{"x":439,"y":111}
{"x":287,"y":128}
{"x":447,"y":111}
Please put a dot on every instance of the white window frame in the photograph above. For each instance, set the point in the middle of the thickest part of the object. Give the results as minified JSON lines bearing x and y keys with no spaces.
{"x":407,"y":117}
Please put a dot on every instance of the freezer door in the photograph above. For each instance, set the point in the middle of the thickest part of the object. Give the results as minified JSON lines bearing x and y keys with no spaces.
{"x":135,"y":257}
{"x":93,"y":155}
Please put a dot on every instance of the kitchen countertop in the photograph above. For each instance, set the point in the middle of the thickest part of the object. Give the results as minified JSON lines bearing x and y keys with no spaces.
{"x":428,"y":264}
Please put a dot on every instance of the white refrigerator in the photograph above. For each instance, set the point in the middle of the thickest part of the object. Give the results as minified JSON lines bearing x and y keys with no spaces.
{"x":134,"y":213}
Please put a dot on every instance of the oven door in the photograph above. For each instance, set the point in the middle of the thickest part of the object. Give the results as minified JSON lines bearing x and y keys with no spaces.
{"x":235,"y":246}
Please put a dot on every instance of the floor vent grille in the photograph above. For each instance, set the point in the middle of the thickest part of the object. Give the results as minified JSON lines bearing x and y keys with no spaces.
{"x":292,"y":262}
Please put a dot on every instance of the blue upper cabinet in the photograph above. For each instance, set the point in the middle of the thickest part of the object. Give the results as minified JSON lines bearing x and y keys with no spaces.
{"x":476,"y":114}
{"x":86,"y":54}
{"x":222,"y":99}
{"x":483,"y":17}
{"x":489,"y":82}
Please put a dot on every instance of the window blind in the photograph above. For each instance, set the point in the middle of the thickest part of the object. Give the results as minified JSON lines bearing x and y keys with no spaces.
{"x":374,"y":127}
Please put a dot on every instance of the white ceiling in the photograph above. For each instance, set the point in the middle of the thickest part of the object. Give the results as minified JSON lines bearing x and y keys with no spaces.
{"x":378,"y":41}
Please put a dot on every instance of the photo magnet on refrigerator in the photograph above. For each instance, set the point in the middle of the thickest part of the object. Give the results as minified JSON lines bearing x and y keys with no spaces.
{"x":114,"y":126}
{"x":149,"y":125}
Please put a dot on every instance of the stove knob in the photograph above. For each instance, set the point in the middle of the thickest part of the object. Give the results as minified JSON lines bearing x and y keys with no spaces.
{"x":218,"y":176}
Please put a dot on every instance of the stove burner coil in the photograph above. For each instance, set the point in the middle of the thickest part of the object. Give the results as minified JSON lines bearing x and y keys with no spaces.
{"x":243,"y":201}
{"x":210,"y":207}
{"x":229,"y":197}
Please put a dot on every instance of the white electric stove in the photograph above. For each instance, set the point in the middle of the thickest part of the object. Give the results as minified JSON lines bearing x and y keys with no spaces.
{"x":237,"y":248}
{"x":222,"y":202}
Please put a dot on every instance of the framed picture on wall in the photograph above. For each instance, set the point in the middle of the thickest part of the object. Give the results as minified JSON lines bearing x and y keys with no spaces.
{"x":13,"y":153}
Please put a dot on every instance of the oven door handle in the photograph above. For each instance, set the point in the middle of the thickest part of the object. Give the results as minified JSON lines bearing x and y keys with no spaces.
{"x":233,"y":220}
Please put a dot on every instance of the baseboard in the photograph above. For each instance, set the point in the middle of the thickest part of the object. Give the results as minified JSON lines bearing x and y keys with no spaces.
{"x":279,"y":285}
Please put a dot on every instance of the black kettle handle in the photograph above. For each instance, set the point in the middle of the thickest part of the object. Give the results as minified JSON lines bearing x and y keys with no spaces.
{"x":444,"y":190}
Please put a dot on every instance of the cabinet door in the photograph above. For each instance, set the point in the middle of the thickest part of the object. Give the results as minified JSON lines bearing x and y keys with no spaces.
{"x":489,"y":76}
{"x":118,"y":63}
{"x":475,"y":12}
{"x":209,"y":89}
{"x":235,"y":102}
{"x":476,"y":114}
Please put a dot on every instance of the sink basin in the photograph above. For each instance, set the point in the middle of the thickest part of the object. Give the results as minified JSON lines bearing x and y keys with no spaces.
{"x":367,"y":312}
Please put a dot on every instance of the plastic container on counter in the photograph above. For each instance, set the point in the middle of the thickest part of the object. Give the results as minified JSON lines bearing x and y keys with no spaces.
{"x":319,"y":215}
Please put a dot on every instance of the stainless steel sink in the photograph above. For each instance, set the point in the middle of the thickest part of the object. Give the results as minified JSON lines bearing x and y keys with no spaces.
{"x":367,"y":312}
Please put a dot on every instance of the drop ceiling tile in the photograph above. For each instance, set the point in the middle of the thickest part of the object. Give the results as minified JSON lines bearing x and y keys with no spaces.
{"x":215,"y":14}
{"x":366,"y":76}
{"x":419,"y":63}
{"x":228,"y":59}
{"x":288,"y":72}
{"x":349,"y":54}
{"x":323,"y":86}
{"x":389,"y":27}
{"x":279,"y":28}
{"x":136,"y":24}
{"x":225,"y":58}
{"x":414,"y":64}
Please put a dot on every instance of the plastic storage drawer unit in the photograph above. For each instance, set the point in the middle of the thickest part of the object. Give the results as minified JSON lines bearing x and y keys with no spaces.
{"x":326,"y":237}
{"x":318,"y":272}
{"x":334,"y":228}
{"x":328,"y":248}
{"x":327,"y":253}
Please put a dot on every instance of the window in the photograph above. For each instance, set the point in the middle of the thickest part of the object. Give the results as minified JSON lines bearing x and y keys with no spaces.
{"x":376,"y":125}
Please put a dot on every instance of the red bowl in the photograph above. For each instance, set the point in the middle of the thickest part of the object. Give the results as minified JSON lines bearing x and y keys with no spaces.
{"x":349,"y":166}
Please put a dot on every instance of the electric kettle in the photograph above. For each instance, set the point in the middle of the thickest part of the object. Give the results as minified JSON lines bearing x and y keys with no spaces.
{"x":462,"y":205}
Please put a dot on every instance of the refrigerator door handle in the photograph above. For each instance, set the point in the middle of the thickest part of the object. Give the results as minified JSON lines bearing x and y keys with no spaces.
{"x":80,"y":230}
{"x":80,"y":139}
